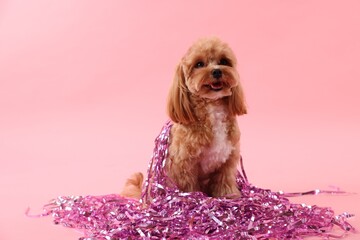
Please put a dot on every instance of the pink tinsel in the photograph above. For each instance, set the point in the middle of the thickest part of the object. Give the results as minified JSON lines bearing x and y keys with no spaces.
{"x":166,"y":212}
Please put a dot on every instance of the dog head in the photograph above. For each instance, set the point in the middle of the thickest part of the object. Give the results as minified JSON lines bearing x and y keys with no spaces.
{"x":207,"y":71}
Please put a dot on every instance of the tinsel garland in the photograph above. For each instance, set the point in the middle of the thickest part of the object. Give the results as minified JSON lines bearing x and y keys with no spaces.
{"x":164,"y":212}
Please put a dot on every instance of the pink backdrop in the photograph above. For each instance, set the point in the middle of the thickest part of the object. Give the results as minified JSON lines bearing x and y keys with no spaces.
{"x":83,"y":87}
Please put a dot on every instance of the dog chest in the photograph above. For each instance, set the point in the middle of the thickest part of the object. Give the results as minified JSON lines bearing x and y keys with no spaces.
{"x":220,"y":148}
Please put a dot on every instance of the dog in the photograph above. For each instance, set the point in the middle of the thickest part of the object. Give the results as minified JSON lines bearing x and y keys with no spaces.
{"x":204,"y":100}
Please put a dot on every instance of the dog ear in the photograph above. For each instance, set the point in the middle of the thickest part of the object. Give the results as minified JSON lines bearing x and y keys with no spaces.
{"x":179,"y":105}
{"x":237,"y":103}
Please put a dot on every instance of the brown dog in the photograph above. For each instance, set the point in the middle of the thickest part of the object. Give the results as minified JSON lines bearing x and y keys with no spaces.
{"x":204,"y":100}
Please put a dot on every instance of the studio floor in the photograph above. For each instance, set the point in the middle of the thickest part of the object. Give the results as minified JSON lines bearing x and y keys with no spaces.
{"x":93,"y":152}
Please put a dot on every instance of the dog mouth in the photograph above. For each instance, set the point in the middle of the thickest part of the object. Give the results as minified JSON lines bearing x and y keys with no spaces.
{"x":216,"y":86}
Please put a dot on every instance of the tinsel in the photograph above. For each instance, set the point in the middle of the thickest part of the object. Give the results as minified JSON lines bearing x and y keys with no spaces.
{"x":164,"y":212}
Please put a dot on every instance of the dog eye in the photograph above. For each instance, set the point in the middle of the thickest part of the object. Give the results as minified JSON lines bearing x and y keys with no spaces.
{"x":199,"y":64}
{"x":225,"y":62}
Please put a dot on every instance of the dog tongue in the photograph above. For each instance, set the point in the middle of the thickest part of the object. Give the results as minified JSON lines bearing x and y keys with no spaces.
{"x":216,"y":85}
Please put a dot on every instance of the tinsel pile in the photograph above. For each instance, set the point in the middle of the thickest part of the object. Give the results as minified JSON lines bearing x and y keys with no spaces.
{"x":164,"y":212}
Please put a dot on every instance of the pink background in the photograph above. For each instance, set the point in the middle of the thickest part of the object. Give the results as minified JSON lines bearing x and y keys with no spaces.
{"x":83,"y":86}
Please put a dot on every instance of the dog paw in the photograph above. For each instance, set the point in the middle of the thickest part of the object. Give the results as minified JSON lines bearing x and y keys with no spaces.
{"x":226,"y":191}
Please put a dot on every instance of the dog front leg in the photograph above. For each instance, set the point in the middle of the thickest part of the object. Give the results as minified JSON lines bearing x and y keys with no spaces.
{"x":223,"y":181}
{"x":184,"y":175}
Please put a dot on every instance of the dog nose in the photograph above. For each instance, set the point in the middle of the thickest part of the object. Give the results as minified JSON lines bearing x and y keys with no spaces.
{"x":217,"y":73}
